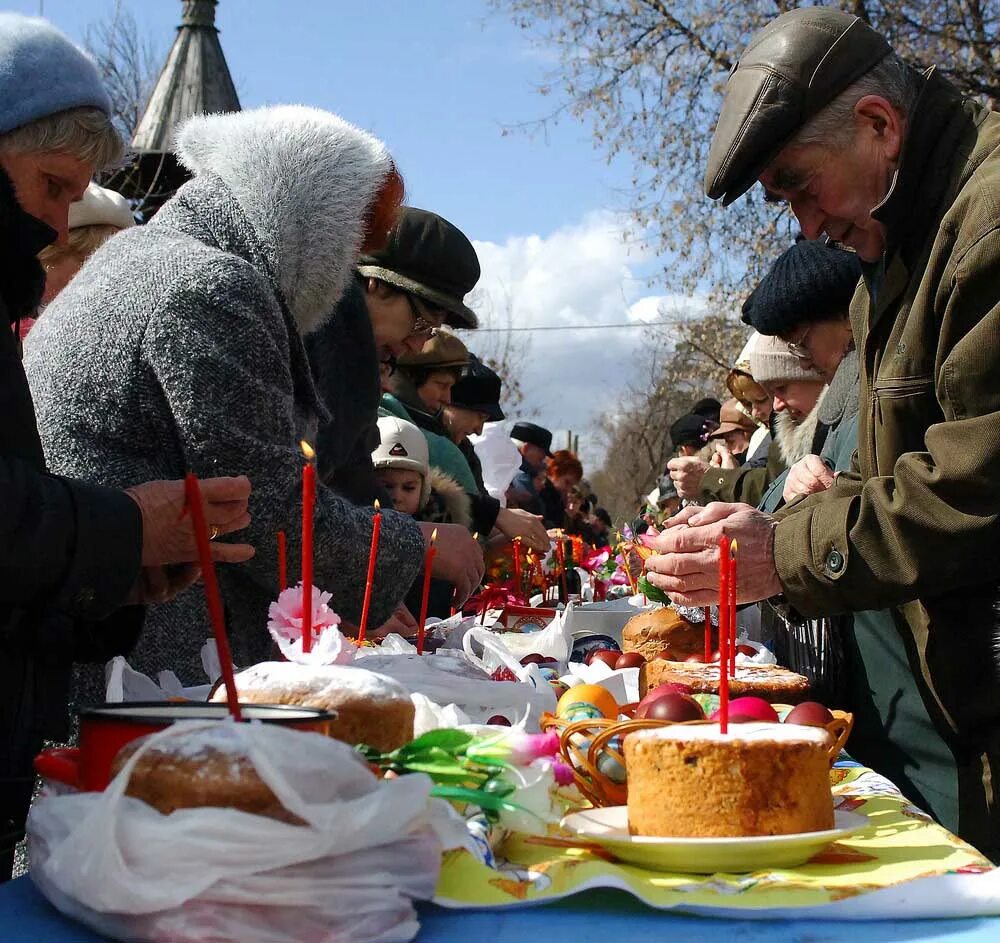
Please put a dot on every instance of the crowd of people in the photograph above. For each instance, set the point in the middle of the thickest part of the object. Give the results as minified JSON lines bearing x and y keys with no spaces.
{"x":287,"y":294}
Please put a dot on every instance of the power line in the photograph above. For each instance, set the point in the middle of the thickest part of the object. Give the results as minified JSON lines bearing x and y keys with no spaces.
{"x":573,"y":327}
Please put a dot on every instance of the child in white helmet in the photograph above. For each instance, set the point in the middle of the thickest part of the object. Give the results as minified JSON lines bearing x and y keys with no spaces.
{"x":402,"y":469}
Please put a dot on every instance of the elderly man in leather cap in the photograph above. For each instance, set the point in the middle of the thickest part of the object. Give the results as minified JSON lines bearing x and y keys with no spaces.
{"x":897,"y":166}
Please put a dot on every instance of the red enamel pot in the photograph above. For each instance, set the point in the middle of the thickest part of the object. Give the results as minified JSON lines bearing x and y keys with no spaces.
{"x":106,"y":728}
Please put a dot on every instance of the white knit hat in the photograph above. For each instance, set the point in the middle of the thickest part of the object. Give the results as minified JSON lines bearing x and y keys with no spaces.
{"x":772,"y":362}
{"x":100,"y":207}
{"x":403,"y":445}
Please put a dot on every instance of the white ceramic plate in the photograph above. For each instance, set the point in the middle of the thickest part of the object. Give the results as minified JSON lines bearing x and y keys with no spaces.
{"x":608,"y":828}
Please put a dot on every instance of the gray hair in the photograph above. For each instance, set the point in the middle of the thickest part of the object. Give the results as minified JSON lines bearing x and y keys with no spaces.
{"x":892,"y":79}
{"x":86,"y":133}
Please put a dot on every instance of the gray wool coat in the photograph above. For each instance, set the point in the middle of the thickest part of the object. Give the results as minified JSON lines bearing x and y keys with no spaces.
{"x":179,"y":346}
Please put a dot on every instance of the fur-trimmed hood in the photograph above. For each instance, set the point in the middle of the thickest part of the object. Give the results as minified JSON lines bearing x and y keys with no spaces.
{"x":448,"y":502}
{"x":795,"y":439}
{"x":304,"y":179}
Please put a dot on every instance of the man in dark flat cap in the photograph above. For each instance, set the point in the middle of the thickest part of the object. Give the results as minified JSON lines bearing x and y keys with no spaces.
{"x":896,"y":165}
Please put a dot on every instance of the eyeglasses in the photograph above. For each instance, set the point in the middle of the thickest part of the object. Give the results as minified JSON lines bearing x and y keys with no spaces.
{"x":798,"y":349}
{"x":426,"y":320}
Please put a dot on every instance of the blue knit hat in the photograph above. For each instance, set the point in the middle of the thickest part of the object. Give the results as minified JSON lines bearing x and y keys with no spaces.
{"x":811,"y":281}
{"x":42,"y":73}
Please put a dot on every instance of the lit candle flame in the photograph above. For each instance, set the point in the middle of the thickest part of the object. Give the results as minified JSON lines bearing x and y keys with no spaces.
{"x":307,"y":450}
{"x":434,"y":535}
{"x":378,"y":507}
{"x":732,"y":550}
{"x":475,"y":535}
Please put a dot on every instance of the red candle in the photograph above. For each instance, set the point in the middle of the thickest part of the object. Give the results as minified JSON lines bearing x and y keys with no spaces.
{"x":561,"y":557}
{"x":724,"y":613}
{"x":708,"y":635}
{"x":428,"y":561}
{"x":370,"y":579}
{"x":192,"y":495}
{"x":518,"y":584}
{"x":282,"y":563}
{"x":732,"y":608}
{"x":308,"y":501}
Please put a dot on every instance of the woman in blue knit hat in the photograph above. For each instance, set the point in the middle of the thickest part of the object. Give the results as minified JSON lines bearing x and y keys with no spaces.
{"x":75,"y":559}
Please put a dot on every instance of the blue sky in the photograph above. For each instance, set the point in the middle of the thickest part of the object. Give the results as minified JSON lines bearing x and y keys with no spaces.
{"x":438,"y":80}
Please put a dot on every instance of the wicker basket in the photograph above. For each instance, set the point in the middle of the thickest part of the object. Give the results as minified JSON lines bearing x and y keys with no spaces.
{"x":586,"y":746}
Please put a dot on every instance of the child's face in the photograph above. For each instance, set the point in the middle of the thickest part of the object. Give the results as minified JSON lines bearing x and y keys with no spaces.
{"x":404,"y":486}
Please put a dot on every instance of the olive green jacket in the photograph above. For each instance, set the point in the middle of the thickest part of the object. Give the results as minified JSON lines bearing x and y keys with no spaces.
{"x":916,"y":526}
{"x":743,"y":484}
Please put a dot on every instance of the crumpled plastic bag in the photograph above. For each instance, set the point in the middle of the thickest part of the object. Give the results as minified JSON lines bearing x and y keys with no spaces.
{"x":499,"y":458}
{"x":456,"y":678}
{"x":213,"y":875}
{"x":124,"y":683}
{"x":554,"y":641}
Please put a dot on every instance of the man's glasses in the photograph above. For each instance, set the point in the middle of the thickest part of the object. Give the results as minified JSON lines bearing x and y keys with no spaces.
{"x":426,"y":320}
{"x":798,"y":349}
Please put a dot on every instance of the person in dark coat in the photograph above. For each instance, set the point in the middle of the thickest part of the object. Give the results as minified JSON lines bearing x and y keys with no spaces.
{"x":563,"y":473}
{"x":77,"y":561}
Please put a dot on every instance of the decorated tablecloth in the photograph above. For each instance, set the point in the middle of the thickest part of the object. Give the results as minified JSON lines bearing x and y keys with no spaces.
{"x":901,"y":865}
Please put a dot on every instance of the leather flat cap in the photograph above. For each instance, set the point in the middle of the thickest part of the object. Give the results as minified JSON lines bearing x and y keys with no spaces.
{"x":791,"y":69}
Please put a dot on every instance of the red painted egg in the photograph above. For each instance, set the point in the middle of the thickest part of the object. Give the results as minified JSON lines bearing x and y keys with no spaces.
{"x":749,"y":710}
{"x":809,"y":713}
{"x":630,"y":660}
{"x":676,"y":708}
{"x":609,"y":657}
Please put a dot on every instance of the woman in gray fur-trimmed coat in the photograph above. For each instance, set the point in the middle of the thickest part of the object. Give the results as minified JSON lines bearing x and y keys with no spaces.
{"x":179,"y":346}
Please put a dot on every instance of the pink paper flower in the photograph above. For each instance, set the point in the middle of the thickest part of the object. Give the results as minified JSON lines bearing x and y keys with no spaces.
{"x":329,"y":647}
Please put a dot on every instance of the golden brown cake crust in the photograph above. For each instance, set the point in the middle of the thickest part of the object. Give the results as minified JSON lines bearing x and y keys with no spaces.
{"x":370,"y":708}
{"x":650,"y":632}
{"x":170,"y":777}
{"x":728,"y":786}
{"x":773,"y":684}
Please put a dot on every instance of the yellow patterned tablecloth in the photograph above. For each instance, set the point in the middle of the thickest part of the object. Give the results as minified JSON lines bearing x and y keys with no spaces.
{"x":899,"y":846}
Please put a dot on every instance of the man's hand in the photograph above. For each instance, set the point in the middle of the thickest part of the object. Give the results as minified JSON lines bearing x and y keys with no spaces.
{"x":158,"y":584}
{"x":459,"y":559}
{"x":807,"y":476}
{"x":686,"y":565}
{"x":167,"y":534}
{"x":401,"y":622}
{"x":726,"y":459}
{"x":515,"y":522}
{"x":687,"y":474}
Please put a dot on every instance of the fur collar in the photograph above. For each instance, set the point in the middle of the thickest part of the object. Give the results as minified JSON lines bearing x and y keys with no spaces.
{"x":795,"y":439}
{"x":304,"y":179}
{"x":449,"y":503}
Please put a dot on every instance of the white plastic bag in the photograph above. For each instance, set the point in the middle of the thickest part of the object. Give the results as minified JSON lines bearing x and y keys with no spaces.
{"x":454,"y":678}
{"x":124,"y":683}
{"x":554,"y":641}
{"x":212,"y":875}
{"x":499,"y":458}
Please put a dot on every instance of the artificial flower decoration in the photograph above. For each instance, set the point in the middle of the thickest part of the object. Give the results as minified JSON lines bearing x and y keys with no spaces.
{"x":510,"y":776}
{"x":284,"y":622}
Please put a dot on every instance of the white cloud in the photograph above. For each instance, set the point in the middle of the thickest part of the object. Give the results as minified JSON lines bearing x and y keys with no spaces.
{"x":580,"y":275}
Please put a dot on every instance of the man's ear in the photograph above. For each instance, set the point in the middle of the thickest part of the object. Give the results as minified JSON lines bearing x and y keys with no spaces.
{"x":880,"y":122}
